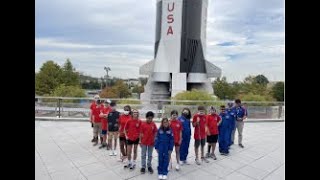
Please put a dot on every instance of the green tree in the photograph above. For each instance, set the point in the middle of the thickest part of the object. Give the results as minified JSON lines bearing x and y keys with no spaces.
{"x":69,"y":91}
{"x":261,"y":79}
{"x":48,"y":78}
{"x":138,"y":89}
{"x":122,"y":89}
{"x":69,"y":75}
{"x":143,"y":80}
{"x":278,"y":91}
{"x":109,"y":92}
{"x":223,"y":89}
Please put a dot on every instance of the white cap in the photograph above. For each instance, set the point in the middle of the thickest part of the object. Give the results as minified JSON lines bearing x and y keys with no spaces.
{"x":96,"y":97}
{"x":108,"y":101}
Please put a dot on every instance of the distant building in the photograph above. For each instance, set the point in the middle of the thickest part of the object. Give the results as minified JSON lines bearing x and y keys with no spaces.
{"x":132,"y":82}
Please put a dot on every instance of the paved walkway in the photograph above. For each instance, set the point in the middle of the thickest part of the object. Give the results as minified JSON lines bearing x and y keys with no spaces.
{"x":63,"y":151}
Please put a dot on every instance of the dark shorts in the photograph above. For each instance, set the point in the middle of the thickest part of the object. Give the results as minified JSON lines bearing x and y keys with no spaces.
{"x":197,"y":142}
{"x":103,"y":132}
{"x":212,"y":138}
{"x":122,"y":139}
{"x":129,"y":142}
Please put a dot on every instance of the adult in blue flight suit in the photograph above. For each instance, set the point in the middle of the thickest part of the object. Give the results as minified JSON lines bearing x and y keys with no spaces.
{"x":241,"y":114}
{"x":164,"y":145}
{"x":224,"y":130}
{"x":186,"y":135}
{"x":232,"y":112}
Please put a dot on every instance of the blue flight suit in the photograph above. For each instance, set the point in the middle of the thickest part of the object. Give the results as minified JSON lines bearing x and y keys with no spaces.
{"x":232,"y":112}
{"x":186,"y":136}
{"x":224,"y":131}
{"x":164,"y":143}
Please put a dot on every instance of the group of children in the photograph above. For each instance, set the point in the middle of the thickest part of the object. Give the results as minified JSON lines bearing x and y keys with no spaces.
{"x":173,"y":133}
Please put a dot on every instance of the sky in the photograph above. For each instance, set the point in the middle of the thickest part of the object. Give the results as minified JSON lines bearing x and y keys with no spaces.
{"x":244,"y":37}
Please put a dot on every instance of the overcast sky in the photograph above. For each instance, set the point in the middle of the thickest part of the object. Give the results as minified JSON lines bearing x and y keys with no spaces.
{"x":244,"y":37}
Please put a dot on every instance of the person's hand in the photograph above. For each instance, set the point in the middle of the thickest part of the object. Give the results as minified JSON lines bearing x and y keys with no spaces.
{"x":198,"y":120}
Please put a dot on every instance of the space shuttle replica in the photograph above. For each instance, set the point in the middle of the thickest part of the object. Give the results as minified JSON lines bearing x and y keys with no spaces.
{"x":179,"y":62}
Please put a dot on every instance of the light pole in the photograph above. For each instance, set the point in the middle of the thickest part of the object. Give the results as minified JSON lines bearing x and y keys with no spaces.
{"x":107,"y":69}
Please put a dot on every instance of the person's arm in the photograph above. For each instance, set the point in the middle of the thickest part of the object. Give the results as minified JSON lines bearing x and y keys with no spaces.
{"x":125,"y":130}
{"x":195,"y":121}
{"x":245,"y":113}
{"x":156,"y":142}
{"x":171,"y":143}
{"x":219,"y":120}
{"x":140,"y":133}
{"x":180,"y":137}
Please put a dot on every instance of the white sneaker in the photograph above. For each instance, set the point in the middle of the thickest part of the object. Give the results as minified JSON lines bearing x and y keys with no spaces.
{"x":177,"y":167}
{"x":198,"y":162}
{"x":111,"y":153}
{"x":181,"y":163}
{"x":114,"y":153}
{"x":164,"y":177}
{"x":160,"y":176}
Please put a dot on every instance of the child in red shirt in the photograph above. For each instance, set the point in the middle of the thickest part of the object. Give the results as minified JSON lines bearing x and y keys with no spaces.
{"x":213,"y":121}
{"x":147,"y":136}
{"x":132,"y":133}
{"x":92,"y":106}
{"x":176,"y":127}
{"x":104,"y":123}
{"x":96,"y":121}
{"x":123,"y":119}
{"x":199,"y":124}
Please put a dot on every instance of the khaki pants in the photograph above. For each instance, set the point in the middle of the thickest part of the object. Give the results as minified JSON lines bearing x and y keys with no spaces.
{"x":239,"y":127}
{"x":113,"y":134}
{"x":96,"y":129}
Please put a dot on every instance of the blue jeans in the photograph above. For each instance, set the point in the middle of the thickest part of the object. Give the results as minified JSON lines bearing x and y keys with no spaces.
{"x":144,"y":150}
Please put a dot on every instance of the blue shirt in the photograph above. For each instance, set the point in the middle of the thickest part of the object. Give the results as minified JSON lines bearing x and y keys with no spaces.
{"x":186,"y":125}
{"x":240,"y":112}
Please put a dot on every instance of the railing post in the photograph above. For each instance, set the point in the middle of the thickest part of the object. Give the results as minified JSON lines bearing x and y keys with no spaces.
{"x":59,"y":107}
{"x":280,"y":111}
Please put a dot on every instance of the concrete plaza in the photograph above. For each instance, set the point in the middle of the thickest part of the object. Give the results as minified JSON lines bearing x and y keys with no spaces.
{"x":63,"y":151}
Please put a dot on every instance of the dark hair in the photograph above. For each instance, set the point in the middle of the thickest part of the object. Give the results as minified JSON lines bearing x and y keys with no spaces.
{"x":149,"y":114}
{"x":201,"y":108}
{"x":189,"y":114}
{"x":112,"y":104}
{"x":161,"y":125}
{"x":174,"y":112}
{"x":237,"y":101}
{"x":222,"y":106}
{"x":98,"y":101}
{"x":127,"y":107}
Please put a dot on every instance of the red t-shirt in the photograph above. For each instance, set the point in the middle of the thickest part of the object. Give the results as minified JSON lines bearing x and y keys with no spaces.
{"x":123,"y":119}
{"x":148,"y":132}
{"x":212,"y":123}
{"x":133,"y":129}
{"x":96,"y":112}
{"x":104,"y":120}
{"x":176,"y":127}
{"x":199,"y":130}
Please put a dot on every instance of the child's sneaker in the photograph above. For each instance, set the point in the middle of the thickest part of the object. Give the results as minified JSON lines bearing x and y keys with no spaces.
{"x":213,"y":156}
{"x":150,"y":170}
{"x":177,"y":167}
{"x":198,"y":161}
{"x":164,"y":177}
{"x":160,"y":176}
{"x":205,"y":159}
{"x":143,"y":170}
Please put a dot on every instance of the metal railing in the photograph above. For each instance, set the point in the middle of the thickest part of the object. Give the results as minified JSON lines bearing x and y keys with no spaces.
{"x":69,"y":107}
